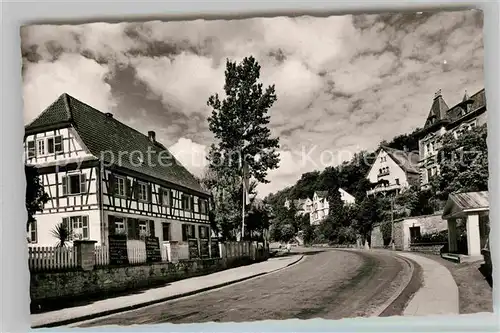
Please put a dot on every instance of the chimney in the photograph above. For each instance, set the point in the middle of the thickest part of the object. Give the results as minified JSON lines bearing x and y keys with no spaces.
{"x":152,"y":136}
{"x":437,"y":94}
{"x":109,"y":115}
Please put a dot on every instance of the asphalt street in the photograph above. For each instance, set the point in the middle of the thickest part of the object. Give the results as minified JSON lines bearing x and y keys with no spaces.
{"x":330,"y":284}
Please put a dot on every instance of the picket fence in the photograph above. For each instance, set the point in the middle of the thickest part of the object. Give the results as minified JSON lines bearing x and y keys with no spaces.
{"x":51,"y":258}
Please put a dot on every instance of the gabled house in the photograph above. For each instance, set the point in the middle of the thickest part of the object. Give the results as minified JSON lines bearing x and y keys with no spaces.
{"x":393,"y":171}
{"x":470,"y":112}
{"x":321,"y":206}
{"x":104,"y":177}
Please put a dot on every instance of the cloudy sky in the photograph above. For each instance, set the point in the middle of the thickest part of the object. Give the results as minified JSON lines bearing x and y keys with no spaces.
{"x":344,"y":83}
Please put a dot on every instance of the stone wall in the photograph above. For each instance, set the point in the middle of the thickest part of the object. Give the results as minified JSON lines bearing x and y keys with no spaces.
{"x":427,"y":224}
{"x":48,"y":289}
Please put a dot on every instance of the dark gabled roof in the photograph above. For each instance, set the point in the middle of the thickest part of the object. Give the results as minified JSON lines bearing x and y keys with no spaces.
{"x":475,"y":102}
{"x":107,"y":137}
{"x":408,"y":161}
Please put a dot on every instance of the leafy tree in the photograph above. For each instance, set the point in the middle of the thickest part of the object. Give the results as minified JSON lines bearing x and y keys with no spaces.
{"x":463,"y":163}
{"x":239,"y":124}
{"x":36,"y":197}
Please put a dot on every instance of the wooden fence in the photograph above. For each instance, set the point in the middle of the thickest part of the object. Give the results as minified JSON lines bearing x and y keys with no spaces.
{"x":51,"y":258}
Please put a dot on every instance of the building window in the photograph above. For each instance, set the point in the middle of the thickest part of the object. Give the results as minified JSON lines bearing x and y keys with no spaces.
{"x":40,"y":147}
{"x":203,"y":206}
{"x":32,"y":232}
{"x":165,"y":227}
{"x":54,"y":144}
{"x":188,"y":232}
{"x":31,"y":149}
{"x":429,"y":174}
{"x":143,"y":229}
{"x":120,"y":226}
{"x":142,"y":191}
{"x":120,"y":187}
{"x":203,"y":231}
{"x":187,"y":202}
{"x":78,"y":226}
{"x":166,"y":197}
{"x":397,"y":181}
{"x":74,"y":184}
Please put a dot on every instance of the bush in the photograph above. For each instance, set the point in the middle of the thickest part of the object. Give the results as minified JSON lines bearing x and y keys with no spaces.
{"x":433,"y":237}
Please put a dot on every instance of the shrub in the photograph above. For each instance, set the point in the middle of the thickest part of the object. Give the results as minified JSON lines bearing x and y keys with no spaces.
{"x":432,"y":237}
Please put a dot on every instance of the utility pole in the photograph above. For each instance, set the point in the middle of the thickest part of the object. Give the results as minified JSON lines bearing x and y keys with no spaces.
{"x":392,"y":223}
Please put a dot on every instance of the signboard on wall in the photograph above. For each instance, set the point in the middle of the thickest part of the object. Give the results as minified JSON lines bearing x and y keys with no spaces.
{"x":193,"y":249}
{"x":204,"y":248}
{"x":118,"y":254}
{"x":214,"y":247}
{"x":153,"y":253}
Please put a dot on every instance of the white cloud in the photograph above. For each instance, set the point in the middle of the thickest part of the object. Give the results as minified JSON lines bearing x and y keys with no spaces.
{"x":191,"y":154}
{"x":80,"y":77}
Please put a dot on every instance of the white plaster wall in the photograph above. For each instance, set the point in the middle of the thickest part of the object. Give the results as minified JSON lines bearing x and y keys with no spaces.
{"x":395,"y":172}
{"x":46,"y":223}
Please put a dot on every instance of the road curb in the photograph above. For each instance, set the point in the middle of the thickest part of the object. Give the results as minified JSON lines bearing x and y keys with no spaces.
{"x":161,"y":300}
{"x":403,"y":287}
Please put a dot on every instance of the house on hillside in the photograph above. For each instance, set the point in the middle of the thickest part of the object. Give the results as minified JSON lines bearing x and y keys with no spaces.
{"x":321,"y":207}
{"x":470,"y":112}
{"x":303,"y":206}
{"x":104,"y":177}
{"x":393,"y":171}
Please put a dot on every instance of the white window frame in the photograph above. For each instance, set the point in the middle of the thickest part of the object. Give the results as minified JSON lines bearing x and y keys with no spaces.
{"x":142,"y":196}
{"x":42,"y":146}
{"x":78,"y":224}
{"x":143,"y":228}
{"x":68,"y":183}
{"x":33,"y":229}
{"x":120,"y":184}
{"x":120,"y":226}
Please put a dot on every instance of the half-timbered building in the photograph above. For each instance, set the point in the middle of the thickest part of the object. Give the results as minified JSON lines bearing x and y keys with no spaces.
{"x":104,"y":177}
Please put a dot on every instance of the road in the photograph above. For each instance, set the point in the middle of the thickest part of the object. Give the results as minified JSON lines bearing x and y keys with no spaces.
{"x":330,"y":284}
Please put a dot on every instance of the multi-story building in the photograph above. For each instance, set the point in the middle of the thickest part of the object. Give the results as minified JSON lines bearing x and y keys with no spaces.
{"x":470,"y":112}
{"x":393,"y":171}
{"x":104,"y":177}
{"x":318,"y":208}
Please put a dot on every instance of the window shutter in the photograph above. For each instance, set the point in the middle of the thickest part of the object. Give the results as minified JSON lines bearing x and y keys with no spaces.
{"x":184,"y":232}
{"x":86,"y":228}
{"x":83,"y":183}
{"x":160,"y":196}
{"x":171,"y":197}
{"x":150,"y":193}
{"x":135,"y":190}
{"x":111,"y":224}
{"x":152,"y":228}
{"x":130,"y":228}
{"x":31,"y":149}
{"x":137,"y":232}
{"x":129,"y":188}
{"x":50,"y":145}
{"x":67,"y":224}
{"x":192,"y":203}
{"x":65,"y":185}
{"x":112,"y":182}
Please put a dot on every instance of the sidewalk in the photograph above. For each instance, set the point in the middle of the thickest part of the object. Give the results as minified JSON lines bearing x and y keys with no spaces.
{"x":173,"y":290}
{"x":439,"y":293}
